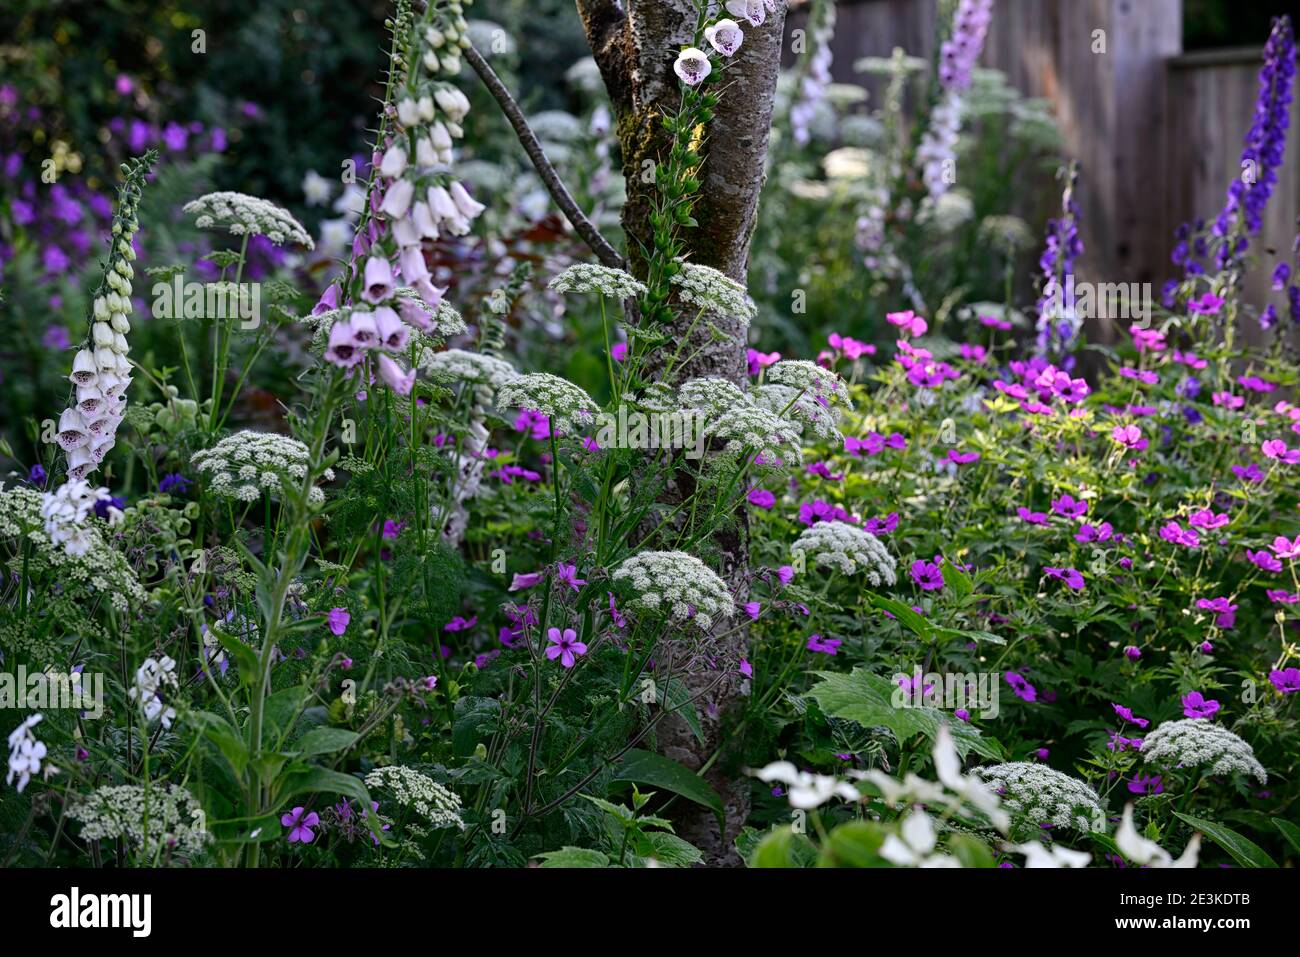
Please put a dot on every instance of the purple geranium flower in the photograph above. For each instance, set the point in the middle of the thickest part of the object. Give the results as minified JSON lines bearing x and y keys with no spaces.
{"x":1195,"y":705}
{"x":565,"y":646}
{"x":300,"y":822}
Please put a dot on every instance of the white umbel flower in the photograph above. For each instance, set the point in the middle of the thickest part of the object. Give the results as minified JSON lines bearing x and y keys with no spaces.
{"x":161,"y":819}
{"x":849,"y":550}
{"x":748,"y":428}
{"x":457,"y":365}
{"x":801,"y":408}
{"x":1198,"y":743}
{"x":97,"y":573}
{"x":711,"y":396}
{"x":438,"y":806}
{"x":559,"y":399}
{"x":809,"y":377}
{"x":713,"y":292}
{"x":1035,"y":794}
{"x":244,"y":465}
{"x":677,"y":586}
{"x":590,"y":277}
{"x":244,"y":215}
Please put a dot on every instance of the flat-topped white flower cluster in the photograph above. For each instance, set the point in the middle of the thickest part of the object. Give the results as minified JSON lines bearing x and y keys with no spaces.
{"x":164,"y":818}
{"x":564,"y":403}
{"x":244,"y":215}
{"x":678,"y":586}
{"x":479,"y":368}
{"x":848,"y":549}
{"x":90,"y":571}
{"x":713,"y":292}
{"x":1200,"y":743}
{"x":1036,"y":794}
{"x":592,"y":277}
{"x":438,"y":806}
{"x":244,"y":465}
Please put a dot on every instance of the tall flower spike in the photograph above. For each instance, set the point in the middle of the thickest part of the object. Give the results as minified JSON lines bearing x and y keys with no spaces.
{"x":100,"y":368}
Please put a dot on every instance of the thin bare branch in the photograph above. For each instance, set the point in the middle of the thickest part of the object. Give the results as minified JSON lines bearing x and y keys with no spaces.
{"x":584,"y":227}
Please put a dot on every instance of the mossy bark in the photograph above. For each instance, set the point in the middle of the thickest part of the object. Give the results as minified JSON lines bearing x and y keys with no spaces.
{"x":635,"y":44}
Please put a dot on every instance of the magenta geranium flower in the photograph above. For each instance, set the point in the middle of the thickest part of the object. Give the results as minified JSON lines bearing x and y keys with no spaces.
{"x":882,"y":526}
{"x":1094,"y":533}
{"x":1128,"y":436}
{"x":1276,"y":449}
{"x":824,"y":646}
{"x":300,"y":823}
{"x":761,"y":497}
{"x":1285,"y":548}
{"x":927,"y":575}
{"x":962,"y":458}
{"x":1128,"y":715}
{"x":1287,"y":681}
{"x":337,"y":620}
{"x":1069,"y":507}
{"x":1264,"y":560}
{"x":461,"y":624}
{"x":1023,"y":689}
{"x":1225,"y":613}
{"x":565,"y":646}
{"x":1146,"y":784}
{"x":524,"y":580}
{"x":535,"y":424}
{"x":1207,"y":518}
{"x":1195,"y":705}
{"x":1071,"y":576}
{"x":568,"y":575}
{"x":1033,"y":518}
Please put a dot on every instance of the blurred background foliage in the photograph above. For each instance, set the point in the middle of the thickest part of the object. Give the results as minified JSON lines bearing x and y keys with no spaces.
{"x":286,"y":89}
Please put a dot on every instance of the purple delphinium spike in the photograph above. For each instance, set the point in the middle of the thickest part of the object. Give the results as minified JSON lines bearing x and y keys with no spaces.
{"x":1064,"y":246}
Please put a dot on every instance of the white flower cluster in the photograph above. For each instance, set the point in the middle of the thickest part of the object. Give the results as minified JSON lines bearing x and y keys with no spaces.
{"x":773,"y":439}
{"x":590,"y":277}
{"x":244,"y":215}
{"x":66,"y":510}
{"x":150,"y":680}
{"x":559,"y":399}
{"x":1036,"y":794}
{"x":677,"y":585}
{"x":25,"y":752}
{"x":1196,"y":742}
{"x":97,"y":572}
{"x":433,"y":802}
{"x":247,"y":463}
{"x":848,"y":549}
{"x":710,"y":395}
{"x":458,"y":365}
{"x":160,"y":819}
{"x":818,"y":381}
{"x":795,"y":404}
{"x":713,"y":292}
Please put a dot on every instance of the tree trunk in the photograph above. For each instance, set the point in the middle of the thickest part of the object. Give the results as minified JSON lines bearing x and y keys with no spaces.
{"x":635,"y":44}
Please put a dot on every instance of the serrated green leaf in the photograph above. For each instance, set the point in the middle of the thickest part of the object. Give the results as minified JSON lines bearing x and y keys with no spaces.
{"x":646,"y":767}
{"x":868,"y":699}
